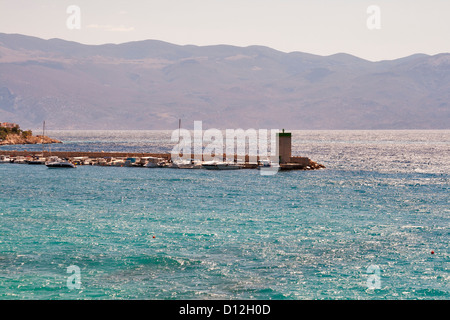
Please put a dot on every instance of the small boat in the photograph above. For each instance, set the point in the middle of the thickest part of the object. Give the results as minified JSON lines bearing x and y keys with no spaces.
{"x":132,"y":162}
{"x":79,"y":161}
{"x":268,"y":164}
{"x":182,"y":164}
{"x":5,"y":159}
{"x":59,"y":163}
{"x":87,"y":162}
{"x":37,"y":160}
{"x":151,"y":165}
{"x":102,"y":162}
{"x":228,"y":166}
{"x":119,"y":163}
{"x":216,"y":165}
{"x":268,"y":167}
{"x":154,"y":162}
{"x":20,"y":160}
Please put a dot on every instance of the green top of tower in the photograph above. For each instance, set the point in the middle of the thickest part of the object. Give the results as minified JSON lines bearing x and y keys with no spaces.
{"x":284,"y":134}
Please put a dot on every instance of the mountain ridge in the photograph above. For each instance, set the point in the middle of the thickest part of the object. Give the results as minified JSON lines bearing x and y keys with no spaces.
{"x":150,"y":84}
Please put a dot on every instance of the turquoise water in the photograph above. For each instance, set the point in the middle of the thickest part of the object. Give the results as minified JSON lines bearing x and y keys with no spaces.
{"x":138,"y":233}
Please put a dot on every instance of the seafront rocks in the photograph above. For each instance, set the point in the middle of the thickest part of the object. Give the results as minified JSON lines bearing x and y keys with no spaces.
{"x":310,"y":165}
{"x":314,"y":166}
{"x":12,"y":139}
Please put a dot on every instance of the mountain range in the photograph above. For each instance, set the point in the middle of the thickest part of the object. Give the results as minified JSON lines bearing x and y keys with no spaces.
{"x":151,"y":84}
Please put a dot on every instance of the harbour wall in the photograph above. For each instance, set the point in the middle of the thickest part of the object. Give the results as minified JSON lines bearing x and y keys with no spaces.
{"x":295,"y":163}
{"x":166,"y":156}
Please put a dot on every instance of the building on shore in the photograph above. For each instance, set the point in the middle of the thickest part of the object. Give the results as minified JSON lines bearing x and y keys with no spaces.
{"x":8,"y":125}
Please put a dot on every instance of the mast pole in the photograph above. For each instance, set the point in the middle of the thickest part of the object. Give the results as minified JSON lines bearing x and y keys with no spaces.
{"x":43,"y":133}
{"x":179,"y":130}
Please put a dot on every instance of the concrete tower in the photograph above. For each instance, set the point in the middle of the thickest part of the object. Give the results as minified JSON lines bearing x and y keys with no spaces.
{"x":285,"y":146}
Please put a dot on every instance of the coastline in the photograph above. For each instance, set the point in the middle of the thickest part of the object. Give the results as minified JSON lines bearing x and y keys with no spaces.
{"x":13,"y":139}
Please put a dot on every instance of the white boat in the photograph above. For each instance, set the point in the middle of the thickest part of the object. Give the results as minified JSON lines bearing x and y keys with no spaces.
{"x":217,"y":165}
{"x":268,"y":167}
{"x":5,"y":159}
{"x":101,"y":162}
{"x":87,"y":162}
{"x":154,"y":162}
{"x":119,"y":163}
{"x":37,"y":159}
{"x":229,"y":166}
{"x":185,"y":164}
{"x":132,"y":162}
{"x":79,"y":161}
{"x":59,"y":163}
{"x":268,"y":164}
{"x":20,"y":160}
{"x":151,"y":165}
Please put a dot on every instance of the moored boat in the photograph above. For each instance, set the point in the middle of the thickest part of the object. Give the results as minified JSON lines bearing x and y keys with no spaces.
{"x":154,"y":162}
{"x":185,"y":164}
{"x":217,"y":165}
{"x":5,"y":159}
{"x":59,"y":163}
{"x":20,"y":160}
{"x":268,"y":167}
{"x":268,"y":164}
{"x":37,"y":159}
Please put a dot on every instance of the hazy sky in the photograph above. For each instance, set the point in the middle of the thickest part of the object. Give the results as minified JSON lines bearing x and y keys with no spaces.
{"x":321,"y":27}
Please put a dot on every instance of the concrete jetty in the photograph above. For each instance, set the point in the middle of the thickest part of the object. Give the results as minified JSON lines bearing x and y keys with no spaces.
{"x":295,"y":163}
{"x":286,"y":160}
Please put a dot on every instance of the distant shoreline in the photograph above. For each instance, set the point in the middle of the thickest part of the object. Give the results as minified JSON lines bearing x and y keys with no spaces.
{"x":18,"y":139}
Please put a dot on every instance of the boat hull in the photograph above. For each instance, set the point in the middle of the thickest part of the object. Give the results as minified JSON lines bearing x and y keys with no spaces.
{"x":218,"y":166}
{"x":54,"y":165}
{"x":35,"y":162}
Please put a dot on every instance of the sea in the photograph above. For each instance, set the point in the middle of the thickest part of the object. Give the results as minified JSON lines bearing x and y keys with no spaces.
{"x":374,"y":224}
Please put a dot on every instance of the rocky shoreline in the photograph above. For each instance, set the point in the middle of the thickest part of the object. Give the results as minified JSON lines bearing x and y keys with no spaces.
{"x":12,"y":139}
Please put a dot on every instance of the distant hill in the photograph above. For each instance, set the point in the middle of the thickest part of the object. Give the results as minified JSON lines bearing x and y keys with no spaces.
{"x":14,"y":135}
{"x":151,"y":84}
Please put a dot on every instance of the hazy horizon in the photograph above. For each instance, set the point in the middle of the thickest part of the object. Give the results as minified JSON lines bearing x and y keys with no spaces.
{"x":322,"y":27}
{"x":224,"y":44}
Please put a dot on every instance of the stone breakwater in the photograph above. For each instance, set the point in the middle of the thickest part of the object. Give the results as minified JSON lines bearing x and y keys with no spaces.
{"x":140,"y":159}
{"x":12,"y":139}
